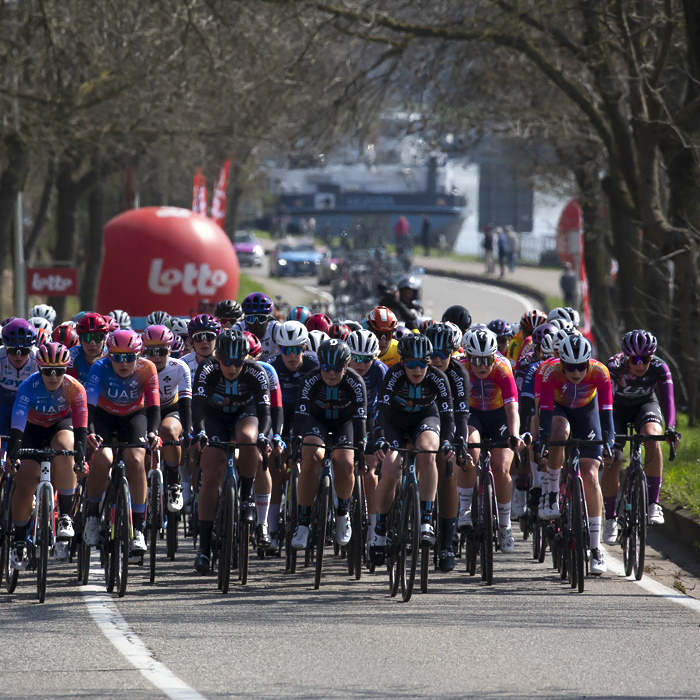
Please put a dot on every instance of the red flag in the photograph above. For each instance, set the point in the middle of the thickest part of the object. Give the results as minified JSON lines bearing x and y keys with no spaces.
{"x":586,"y":330}
{"x":218,"y":205}
{"x":199,"y":193}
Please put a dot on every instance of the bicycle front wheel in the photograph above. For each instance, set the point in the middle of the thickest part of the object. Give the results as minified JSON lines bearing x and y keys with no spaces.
{"x":226,"y":534}
{"x":410,"y":540}
{"x":3,"y":523}
{"x":43,"y":541}
{"x":486,"y":535}
{"x":358,"y":530}
{"x":11,"y":575}
{"x":244,"y":550}
{"x":291,"y":505}
{"x":153,"y":519}
{"x":324,"y":507}
{"x":393,"y":541}
{"x":638,"y":524}
{"x":578,"y":574}
{"x":122,"y":539}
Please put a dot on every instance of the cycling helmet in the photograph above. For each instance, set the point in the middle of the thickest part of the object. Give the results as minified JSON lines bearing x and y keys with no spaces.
{"x":353,"y":325}
{"x":299,"y":313}
{"x":415,"y":346}
{"x":315,"y":340}
{"x":425,"y":323}
{"x":157,"y":318}
{"x":43,"y":311}
{"x":333,"y":352}
{"x":459,"y":316}
{"x":443,"y":338}
{"x":456,"y":331}
{"x":254,"y":344}
{"x":124,"y":341}
{"x":499,"y":327}
{"x":177,"y":325}
{"x":92,"y":323}
{"x":53,"y":355}
{"x":79,"y":315}
{"x":157,"y":335}
{"x":574,"y":315}
{"x":575,"y":349}
{"x":41,"y":322}
{"x":18,"y":333}
{"x":229,"y":310}
{"x":363,"y":343}
{"x":65,"y":334}
{"x":559,"y":312}
{"x":257,"y":303}
{"x":318,"y":322}
{"x":400,"y":332}
{"x":122,"y":318}
{"x":559,"y":337}
{"x":339,"y":331}
{"x":290,"y":334}
{"x":5,"y":321}
{"x":547,"y":346}
{"x":42,"y":336}
{"x":410,"y":282}
{"x":203,"y":323}
{"x":541,"y":331}
{"x":113,"y":324}
{"x":530,"y":320}
{"x":232,"y":345}
{"x":381,"y":320}
{"x":178,"y":347}
{"x":638,"y":342}
{"x":480,"y":343}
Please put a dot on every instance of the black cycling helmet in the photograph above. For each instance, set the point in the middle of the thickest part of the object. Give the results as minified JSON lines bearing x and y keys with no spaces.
{"x":415,"y":346}
{"x":443,"y":338}
{"x":459,"y":316}
{"x":229,"y":310}
{"x":333,"y":353}
{"x":232,"y":345}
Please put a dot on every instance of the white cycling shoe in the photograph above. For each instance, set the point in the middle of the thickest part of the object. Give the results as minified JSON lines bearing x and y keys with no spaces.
{"x":598,"y":565}
{"x":343,"y":529}
{"x":138,"y":544}
{"x":610,"y":531}
{"x":175,"y":500}
{"x":506,"y":539}
{"x":91,"y":535}
{"x":301,"y":537}
{"x":427,"y":534}
{"x":65,"y":529}
{"x":61,"y":551}
{"x":655,"y":514}
{"x":465,"y":520}
{"x":519,"y":503}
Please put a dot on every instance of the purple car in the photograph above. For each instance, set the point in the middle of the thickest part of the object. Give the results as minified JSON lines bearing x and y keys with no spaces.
{"x":248,"y":249}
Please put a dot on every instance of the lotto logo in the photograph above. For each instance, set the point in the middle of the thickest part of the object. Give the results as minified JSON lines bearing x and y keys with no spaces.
{"x":195,"y":279}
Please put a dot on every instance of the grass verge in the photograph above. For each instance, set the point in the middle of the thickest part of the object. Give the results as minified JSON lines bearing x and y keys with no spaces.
{"x":681,"y":479}
{"x":247,"y":285}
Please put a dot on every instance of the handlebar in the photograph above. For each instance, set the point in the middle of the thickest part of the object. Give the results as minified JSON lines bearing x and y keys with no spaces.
{"x":640,"y":439}
{"x":45,"y":452}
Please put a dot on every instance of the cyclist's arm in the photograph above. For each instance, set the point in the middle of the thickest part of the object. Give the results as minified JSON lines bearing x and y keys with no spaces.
{"x":303,"y":402}
{"x":513,"y":417}
{"x":359,"y":414}
{"x":665,"y":389}
{"x":461,"y":401}
{"x":79,"y":408}
{"x":444,"y":405}
{"x":199,"y":397}
{"x":261,"y":392}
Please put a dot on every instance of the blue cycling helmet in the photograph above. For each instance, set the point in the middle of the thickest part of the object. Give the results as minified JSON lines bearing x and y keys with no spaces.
{"x":443,"y":338}
{"x":19,"y":333}
{"x":257,"y":303}
{"x":203,"y":322}
{"x":499,"y":327}
{"x":299,"y":313}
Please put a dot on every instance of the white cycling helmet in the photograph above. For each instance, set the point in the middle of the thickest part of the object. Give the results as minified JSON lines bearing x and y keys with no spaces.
{"x":547,"y":345}
{"x":574,"y":315}
{"x":41,"y":322}
{"x":575,"y":349}
{"x":291,"y":334}
{"x":559,"y":313}
{"x":122,"y":318}
{"x":177,"y":325}
{"x":480,"y":343}
{"x":564,"y":324}
{"x":559,"y":337}
{"x":43,"y":311}
{"x":363,"y":343}
{"x":315,"y":339}
{"x":457,"y":333}
{"x":157,"y":318}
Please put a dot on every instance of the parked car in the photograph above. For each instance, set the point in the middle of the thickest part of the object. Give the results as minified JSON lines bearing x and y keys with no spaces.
{"x":291,"y":258}
{"x":329,"y":265}
{"x":248,"y":249}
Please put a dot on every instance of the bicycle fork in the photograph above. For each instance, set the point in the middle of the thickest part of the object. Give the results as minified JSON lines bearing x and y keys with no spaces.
{"x":44,"y":483}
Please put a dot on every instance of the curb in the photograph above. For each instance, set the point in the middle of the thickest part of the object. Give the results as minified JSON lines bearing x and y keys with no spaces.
{"x":523,"y":289}
{"x":681,"y":527}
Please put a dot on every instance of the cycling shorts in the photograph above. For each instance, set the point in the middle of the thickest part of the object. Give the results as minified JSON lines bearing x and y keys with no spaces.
{"x":170,"y":412}
{"x":37,"y":436}
{"x":339,"y":433}
{"x":288,"y":410}
{"x":5,"y":419}
{"x":402,"y":430}
{"x":640,"y":415}
{"x":131,"y":429}
{"x":490,"y":424}
{"x":584,"y":424}
{"x":221,"y":427}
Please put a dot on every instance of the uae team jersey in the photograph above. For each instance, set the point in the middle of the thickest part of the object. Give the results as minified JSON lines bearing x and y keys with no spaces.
{"x":79,"y":366}
{"x":556,"y":388}
{"x":36,"y":404}
{"x":174,"y":382}
{"x":496,"y":390}
{"x":11,"y":378}
{"x":268,"y":345}
{"x":122,"y":397}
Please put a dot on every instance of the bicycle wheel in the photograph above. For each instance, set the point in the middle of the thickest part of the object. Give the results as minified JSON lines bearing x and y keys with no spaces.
{"x":3,"y":523}
{"x":624,"y":521}
{"x":358,"y":530}
{"x":226,"y":534}
{"x":638,"y":524}
{"x":425,"y":556}
{"x":171,"y":529}
{"x":244,"y":550}
{"x":393,"y":539}
{"x":537,"y":534}
{"x":153,"y":519}
{"x":122,"y":539}
{"x":487,"y":516}
{"x":11,"y":575}
{"x":578,"y":550}
{"x":291,"y":505}
{"x":43,"y":541}
{"x":410,"y":539}
{"x":324,"y":507}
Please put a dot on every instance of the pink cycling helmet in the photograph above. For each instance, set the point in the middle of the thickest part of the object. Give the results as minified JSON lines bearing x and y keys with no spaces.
{"x":124,"y":341}
{"x":157,"y":335}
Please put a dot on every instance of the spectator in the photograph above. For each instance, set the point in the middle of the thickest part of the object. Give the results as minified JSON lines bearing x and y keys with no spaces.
{"x":402,"y":234}
{"x":488,"y":248}
{"x":569,"y":285}
{"x":502,"y":249}
{"x":513,"y":246}
{"x":425,"y":234}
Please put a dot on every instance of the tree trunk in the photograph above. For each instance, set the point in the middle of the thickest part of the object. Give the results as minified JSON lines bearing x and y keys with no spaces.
{"x":41,"y":214}
{"x":233,"y":201}
{"x":95,"y":248}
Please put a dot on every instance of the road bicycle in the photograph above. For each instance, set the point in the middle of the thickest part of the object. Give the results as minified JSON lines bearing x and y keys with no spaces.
{"x":356,"y":550}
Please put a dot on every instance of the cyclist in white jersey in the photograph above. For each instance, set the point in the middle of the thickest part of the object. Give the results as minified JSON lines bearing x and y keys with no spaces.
{"x":203,"y":330}
{"x":257,"y":319}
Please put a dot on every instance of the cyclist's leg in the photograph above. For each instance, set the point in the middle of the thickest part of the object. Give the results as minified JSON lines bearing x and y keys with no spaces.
{"x":171,"y":429}
{"x":370,"y":482}
{"x":555,"y":460}
{"x":248,"y":457}
{"x":313,"y":433}
{"x":610,"y":478}
{"x":135,"y":470}
{"x":466,"y":478}
{"x":427,"y":437}
{"x":343,"y":479}
{"x":649,"y":421}
{"x":65,"y":482}
{"x":263,"y":491}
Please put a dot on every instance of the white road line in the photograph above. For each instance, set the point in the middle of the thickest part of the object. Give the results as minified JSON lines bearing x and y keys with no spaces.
{"x":111,"y":623}
{"x":527,"y":303}
{"x":654,"y":587}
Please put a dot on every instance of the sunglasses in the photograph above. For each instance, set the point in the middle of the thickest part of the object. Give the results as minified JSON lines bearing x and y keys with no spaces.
{"x":332,"y":368}
{"x":439,"y":355}
{"x":19,"y":351}
{"x":580,"y":367}
{"x":92,"y":337}
{"x":292,"y":349}
{"x":641,"y":359}
{"x":230,"y":361}
{"x":120,"y":357}
{"x":255,"y":319}
{"x":157,"y":352}
{"x":204,"y":337}
{"x":53,"y":371}
{"x":361,"y":358}
{"x":225,"y":322}
{"x":482,"y":361}
{"x":415,"y":364}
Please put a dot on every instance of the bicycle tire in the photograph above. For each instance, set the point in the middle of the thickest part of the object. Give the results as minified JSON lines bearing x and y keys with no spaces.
{"x":292,"y":507}
{"x":487,"y":531}
{"x":11,"y":577}
{"x":358,"y":529}
{"x":410,"y":539}
{"x":324,"y":507}
{"x":244,"y":551}
{"x":426,"y":552}
{"x":393,"y":538}
{"x":543,"y":544}
{"x":579,"y":550}
{"x":639,"y":523}
{"x":171,"y":530}
{"x":3,"y":524}
{"x":537,"y":539}
{"x":226,"y":535}
{"x":624,"y":522}
{"x":43,"y":541}
{"x":123,"y":538}
{"x":153,"y":520}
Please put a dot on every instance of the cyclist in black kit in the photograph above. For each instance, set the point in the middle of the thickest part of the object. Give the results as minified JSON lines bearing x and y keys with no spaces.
{"x":332,"y":401}
{"x":415,"y":401}
{"x":230,"y":398}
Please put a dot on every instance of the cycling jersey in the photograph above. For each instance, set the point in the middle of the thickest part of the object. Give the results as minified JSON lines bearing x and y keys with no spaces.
{"x":79,"y":367}
{"x":190,"y":359}
{"x":540,"y":373}
{"x":629,"y":391}
{"x":332,"y":406}
{"x":556,"y":388}
{"x":11,"y":378}
{"x":276,"y":414}
{"x":497,"y":390}
{"x":36,"y":404}
{"x":289,"y":381}
{"x":213,"y":393}
{"x":458,"y":377}
{"x":527,"y":357}
{"x":174,"y":382}
{"x":391,"y":355}
{"x":514,"y":348}
{"x":269,"y":347}
{"x":120,"y":397}
{"x":373,"y":379}
{"x":527,"y":389}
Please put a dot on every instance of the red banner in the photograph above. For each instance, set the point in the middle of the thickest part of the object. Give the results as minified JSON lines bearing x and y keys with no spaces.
{"x":199,"y":193}
{"x":586,"y":330}
{"x":218,"y":203}
{"x":53,"y":281}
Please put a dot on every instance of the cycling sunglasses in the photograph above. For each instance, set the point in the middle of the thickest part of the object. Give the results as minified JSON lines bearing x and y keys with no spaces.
{"x":230,"y":361}
{"x":439,"y":354}
{"x":92,"y":337}
{"x":386,"y":335}
{"x":157,"y":352}
{"x":415,"y":364}
{"x":332,"y":368}
{"x":580,"y":367}
{"x":53,"y":371}
{"x":292,"y":349}
{"x":19,"y":351}
{"x":482,"y":361}
{"x":362,"y":358}
{"x":120,"y":357}
{"x":255,"y":319}
{"x":640,"y":359}
{"x":204,"y":337}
